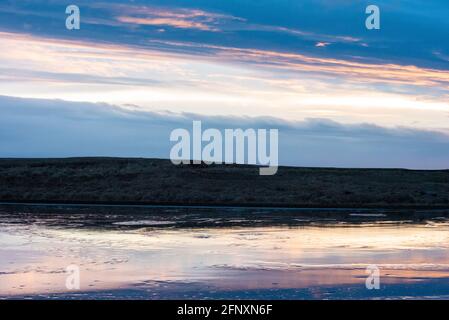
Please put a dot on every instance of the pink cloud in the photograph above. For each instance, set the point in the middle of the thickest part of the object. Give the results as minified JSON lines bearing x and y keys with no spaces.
{"x":176,"y":23}
{"x":176,"y":18}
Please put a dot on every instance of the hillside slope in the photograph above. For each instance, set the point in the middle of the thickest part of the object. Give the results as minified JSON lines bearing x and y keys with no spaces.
{"x":154,"y":181}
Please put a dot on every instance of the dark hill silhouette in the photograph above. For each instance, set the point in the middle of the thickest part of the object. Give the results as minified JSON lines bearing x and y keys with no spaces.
{"x":155,"y":181}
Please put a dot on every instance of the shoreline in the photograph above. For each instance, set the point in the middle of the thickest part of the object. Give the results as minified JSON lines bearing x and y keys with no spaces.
{"x":138,"y":204}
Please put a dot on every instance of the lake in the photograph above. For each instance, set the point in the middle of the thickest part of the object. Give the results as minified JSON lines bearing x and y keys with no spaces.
{"x":222,"y":253}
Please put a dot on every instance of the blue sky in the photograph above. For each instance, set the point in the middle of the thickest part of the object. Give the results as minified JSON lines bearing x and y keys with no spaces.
{"x":305,"y":64}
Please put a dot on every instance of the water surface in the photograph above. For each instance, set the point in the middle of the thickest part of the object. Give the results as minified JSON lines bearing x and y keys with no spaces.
{"x":223,"y":253}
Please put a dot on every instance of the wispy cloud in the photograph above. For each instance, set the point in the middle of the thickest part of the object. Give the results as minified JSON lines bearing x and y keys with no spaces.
{"x":176,"y":23}
{"x":181,"y":18}
{"x":223,"y":80}
{"x":195,"y":19}
{"x":358,"y":70}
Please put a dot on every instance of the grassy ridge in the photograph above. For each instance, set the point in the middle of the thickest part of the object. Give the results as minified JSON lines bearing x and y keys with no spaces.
{"x":159,"y":181}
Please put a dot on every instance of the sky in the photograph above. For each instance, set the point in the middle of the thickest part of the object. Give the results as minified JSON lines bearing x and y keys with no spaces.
{"x":341,"y":95}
